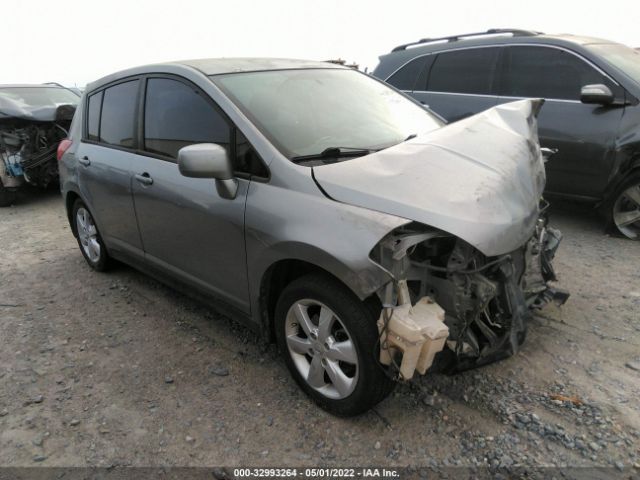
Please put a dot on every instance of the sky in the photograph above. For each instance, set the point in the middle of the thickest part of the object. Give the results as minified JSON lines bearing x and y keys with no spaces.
{"x":74,"y":42}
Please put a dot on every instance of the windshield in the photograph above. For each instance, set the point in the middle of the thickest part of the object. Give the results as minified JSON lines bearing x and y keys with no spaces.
{"x":35,"y":97}
{"x":622,"y":57}
{"x":305,"y":112}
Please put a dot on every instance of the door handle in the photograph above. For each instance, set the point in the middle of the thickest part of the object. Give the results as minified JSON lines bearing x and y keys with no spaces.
{"x":547,"y":153}
{"x":144,"y":178}
{"x":84,"y":161}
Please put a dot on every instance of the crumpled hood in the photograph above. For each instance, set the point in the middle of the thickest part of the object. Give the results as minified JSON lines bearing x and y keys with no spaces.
{"x":47,"y":113}
{"x":479,"y":179}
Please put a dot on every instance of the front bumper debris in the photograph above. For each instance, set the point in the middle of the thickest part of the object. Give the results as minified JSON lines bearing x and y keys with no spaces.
{"x":416,"y":332}
{"x":487,"y":301}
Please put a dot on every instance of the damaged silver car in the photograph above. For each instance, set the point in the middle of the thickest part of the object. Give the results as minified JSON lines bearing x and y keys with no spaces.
{"x":326,"y":210}
{"x":33,"y":120}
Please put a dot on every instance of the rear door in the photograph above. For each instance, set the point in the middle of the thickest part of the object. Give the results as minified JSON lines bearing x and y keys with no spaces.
{"x":104,"y":168}
{"x":459,"y":83}
{"x":583,"y":134}
{"x":187,"y":229}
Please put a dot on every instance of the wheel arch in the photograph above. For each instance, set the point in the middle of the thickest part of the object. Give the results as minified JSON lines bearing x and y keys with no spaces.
{"x":284,"y":271}
{"x":70,"y":198}
{"x":630,"y":177}
{"x":631,"y":168}
{"x":626,"y":163}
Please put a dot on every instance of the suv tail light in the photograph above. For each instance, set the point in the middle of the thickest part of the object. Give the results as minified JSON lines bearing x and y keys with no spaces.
{"x":63,"y":146}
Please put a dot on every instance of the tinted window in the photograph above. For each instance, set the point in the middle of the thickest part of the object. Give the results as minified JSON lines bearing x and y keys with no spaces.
{"x":93,"y":116}
{"x":546,"y":73}
{"x":464,"y":71}
{"x":247,"y":159}
{"x":177,"y":115}
{"x":405,"y":78}
{"x":118,"y":114}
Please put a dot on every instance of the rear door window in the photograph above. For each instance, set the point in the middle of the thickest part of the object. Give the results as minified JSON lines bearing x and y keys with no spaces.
{"x":544,"y":72}
{"x":469,"y":71}
{"x":177,"y":115}
{"x":118,"y":114}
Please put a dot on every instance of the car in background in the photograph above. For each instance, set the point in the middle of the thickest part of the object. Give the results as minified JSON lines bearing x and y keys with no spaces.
{"x":322,"y":208}
{"x":33,"y":120}
{"x":77,"y":90}
{"x":591,"y":114}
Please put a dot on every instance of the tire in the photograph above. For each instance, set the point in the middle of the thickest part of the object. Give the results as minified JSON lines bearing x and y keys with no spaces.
{"x":625,"y":206}
{"x":336,"y":362}
{"x":7,"y":197}
{"x":89,"y":239}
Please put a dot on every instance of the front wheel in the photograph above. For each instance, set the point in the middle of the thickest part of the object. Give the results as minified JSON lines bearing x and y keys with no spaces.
{"x":329,"y":341}
{"x":625,"y":208}
{"x":89,"y":239}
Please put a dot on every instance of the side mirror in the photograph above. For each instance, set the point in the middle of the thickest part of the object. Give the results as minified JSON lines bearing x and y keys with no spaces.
{"x":599,"y":94}
{"x":209,"y":160}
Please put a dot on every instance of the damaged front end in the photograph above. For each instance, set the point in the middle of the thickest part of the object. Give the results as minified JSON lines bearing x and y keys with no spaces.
{"x":478,"y":245}
{"x":29,"y":137}
{"x":478,"y":306}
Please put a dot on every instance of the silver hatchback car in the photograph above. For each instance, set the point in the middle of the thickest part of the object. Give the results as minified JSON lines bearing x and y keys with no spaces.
{"x":323,"y":208}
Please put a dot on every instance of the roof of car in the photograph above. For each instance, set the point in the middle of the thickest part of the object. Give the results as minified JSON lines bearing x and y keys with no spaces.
{"x":217,"y":66}
{"x":29,"y":85}
{"x":402,"y":54}
{"x":578,"y":39}
{"x":495,"y":36}
{"x":214,"y":66}
{"x":458,"y":41}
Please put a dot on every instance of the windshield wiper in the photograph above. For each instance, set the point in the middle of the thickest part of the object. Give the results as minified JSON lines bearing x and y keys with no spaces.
{"x":334,"y":152}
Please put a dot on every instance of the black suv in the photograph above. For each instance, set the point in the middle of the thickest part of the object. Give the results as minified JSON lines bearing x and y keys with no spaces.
{"x":591,"y":114}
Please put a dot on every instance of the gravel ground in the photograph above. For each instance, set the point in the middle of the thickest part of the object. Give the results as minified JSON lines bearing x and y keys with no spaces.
{"x":115,"y":369}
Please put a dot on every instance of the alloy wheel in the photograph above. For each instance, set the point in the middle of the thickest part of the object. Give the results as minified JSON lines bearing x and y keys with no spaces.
{"x":322,"y":349}
{"x":88,"y":234}
{"x":626,"y":212}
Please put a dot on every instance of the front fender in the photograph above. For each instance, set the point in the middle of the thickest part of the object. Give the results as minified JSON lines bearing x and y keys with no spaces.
{"x":293,"y":225}
{"x":627,"y":152}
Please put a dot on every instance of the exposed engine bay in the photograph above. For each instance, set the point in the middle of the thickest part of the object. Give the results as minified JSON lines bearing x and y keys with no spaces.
{"x":486,"y":301}
{"x":29,"y":151}
{"x":29,"y":137}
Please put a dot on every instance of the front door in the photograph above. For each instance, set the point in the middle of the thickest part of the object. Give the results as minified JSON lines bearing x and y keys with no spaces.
{"x":187,"y":229}
{"x":584,"y":135}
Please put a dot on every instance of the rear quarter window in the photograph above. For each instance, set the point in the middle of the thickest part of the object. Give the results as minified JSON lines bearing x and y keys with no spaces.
{"x":93,"y":116}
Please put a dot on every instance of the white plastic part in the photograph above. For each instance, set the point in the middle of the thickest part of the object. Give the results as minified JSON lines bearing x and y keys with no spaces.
{"x":7,"y":181}
{"x":417,"y":331}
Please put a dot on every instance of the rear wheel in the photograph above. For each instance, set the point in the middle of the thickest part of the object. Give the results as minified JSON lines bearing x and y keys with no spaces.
{"x":329,"y":341}
{"x":89,"y":239}
{"x":625,"y":208}
{"x":7,"y":197}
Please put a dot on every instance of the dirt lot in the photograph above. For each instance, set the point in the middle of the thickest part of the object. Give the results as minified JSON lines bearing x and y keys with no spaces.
{"x":116,"y":369}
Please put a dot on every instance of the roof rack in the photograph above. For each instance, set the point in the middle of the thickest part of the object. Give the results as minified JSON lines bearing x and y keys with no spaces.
{"x":454,"y":38}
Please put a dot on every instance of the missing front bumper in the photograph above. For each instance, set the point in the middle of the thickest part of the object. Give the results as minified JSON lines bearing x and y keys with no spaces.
{"x":487,"y":302}
{"x":411,"y":335}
